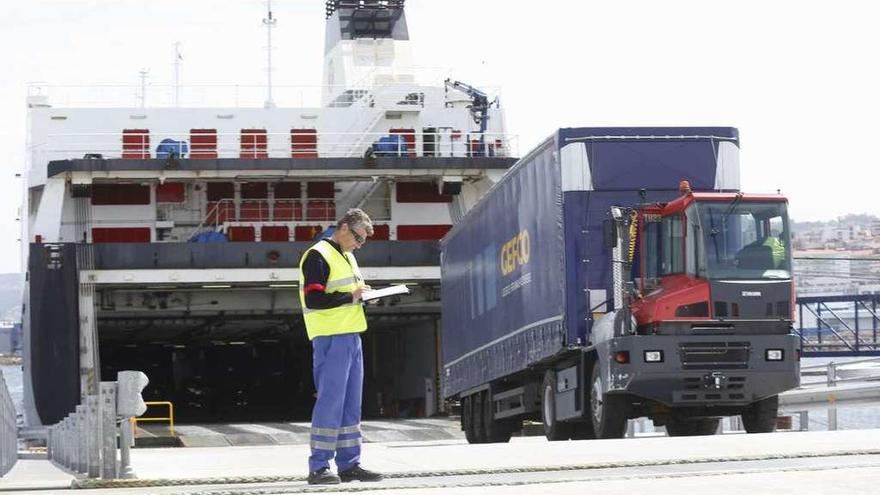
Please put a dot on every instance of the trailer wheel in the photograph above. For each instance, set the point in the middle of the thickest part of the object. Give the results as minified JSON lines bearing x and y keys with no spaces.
{"x":691,"y":427}
{"x":497,"y":431}
{"x":477,"y":418}
{"x":467,"y":419}
{"x":607,"y":411}
{"x":760,"y":417}
{"x":553,"y":429}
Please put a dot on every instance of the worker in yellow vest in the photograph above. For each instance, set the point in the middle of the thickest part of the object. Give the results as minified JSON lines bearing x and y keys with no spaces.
{"x":330,"y":289}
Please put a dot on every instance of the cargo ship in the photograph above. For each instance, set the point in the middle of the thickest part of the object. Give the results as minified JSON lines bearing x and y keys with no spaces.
{"x":166,"y":238}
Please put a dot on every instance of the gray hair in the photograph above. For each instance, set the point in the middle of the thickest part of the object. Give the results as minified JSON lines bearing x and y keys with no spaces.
{"x":356,"y":217}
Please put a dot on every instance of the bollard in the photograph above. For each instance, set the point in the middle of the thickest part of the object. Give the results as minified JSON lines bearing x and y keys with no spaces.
{"x":49,"y":442}
{"x":94,"y":437}
{"x":83,"y":432}
{"x":109,"y":466}
{"x":126,"y":439}
{"x":831,"y":375}
{"x":65,"y":442}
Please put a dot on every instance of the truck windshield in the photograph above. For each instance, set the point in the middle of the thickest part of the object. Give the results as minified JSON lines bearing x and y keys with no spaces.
{"x":742,"y":239}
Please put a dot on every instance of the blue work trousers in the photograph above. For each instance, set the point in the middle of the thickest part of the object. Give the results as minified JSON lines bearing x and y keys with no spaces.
{"x":338,"y":367}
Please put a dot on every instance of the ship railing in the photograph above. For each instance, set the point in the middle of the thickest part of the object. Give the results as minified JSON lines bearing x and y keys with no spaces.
{"x":388,"y":81}
{"x":287,"y":212}
{"x":440,"y":142}
{"x":8,"y":430}
{"x":94,"y":440}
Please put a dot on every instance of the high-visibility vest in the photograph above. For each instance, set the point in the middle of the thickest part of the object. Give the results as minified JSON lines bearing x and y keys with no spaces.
{"x":345,"y":276}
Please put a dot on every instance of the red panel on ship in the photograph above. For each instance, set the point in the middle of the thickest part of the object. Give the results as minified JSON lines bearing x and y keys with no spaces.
{"x":421,"y":232}
{"x":320,"y":210}
{"x":120,"y":234}
{"x":255,"y":190}
{"x":203,"y":143}
{"x":218,"y":213}
{"x":287,"y":210}
{"x":320,"y":190}
{"x":288,"y":190}
{"x":321,"y":204}
{"x":220,"y":190}
{"x":409,"y":137}
{"x":420,"y":192}
{"x":304,"y":143}
{"x":241,"y":234}
{"x":136,"y":144}
{"x":306,"y":232}
{"x":271,"y":233}
{"x":380,"y":233}
{"x":171,"y":192}
{"x":254,"y":143}
{"x":254,"y":210}
{"x":120,"y":194}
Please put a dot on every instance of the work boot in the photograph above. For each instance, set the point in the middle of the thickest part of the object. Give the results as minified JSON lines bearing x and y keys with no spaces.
{"x":323,"y":476}
{"x":357,"y":473}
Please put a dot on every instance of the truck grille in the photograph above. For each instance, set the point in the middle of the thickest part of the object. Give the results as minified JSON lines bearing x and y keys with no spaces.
{"x":714,"y":355}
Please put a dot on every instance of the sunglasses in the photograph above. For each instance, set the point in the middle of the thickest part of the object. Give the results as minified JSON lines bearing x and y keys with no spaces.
{"x":357,"y":237}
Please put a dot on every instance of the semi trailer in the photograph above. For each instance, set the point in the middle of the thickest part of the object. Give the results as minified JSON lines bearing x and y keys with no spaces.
{"x":617,"y":273}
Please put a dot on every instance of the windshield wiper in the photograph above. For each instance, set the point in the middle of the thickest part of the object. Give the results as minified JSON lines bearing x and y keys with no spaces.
{"x":715,"y":231}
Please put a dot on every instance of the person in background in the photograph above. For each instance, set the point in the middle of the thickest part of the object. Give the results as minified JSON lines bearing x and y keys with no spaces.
{"x":330,"y":290}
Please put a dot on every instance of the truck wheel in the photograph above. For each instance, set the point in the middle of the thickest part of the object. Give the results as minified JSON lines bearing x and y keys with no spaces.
{"x":477,"y":418}
{"x":607,"y":411}
{"x":760,"y":417}
{"x":583,"y":430}
{"x":691,"y":427}
{"x":553,"y":429}
{"x":467,"y":418}
{"x":496,"y":431}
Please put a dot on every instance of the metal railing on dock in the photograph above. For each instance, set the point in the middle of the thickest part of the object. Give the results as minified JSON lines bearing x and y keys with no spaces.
{"x":839,"y":325}
{"x":8,"y":430}
{"x":169,"y":418}
{"x":837,"y":384}
{"x":86,"y":441}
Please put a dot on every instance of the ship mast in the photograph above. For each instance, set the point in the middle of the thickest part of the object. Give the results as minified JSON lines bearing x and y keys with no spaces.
{"x":269,"y":22}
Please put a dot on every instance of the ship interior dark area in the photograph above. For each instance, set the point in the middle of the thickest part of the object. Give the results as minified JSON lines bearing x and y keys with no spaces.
{"x":223,"y":368}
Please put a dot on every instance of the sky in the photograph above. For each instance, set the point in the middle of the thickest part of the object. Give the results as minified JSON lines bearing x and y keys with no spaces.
{"x":799,"y":79}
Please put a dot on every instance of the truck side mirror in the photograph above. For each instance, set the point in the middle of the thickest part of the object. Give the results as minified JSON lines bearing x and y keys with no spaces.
{"x":609,"y":232}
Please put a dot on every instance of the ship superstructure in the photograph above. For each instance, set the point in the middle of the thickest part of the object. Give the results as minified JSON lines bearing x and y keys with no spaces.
{"x":167,"y":240}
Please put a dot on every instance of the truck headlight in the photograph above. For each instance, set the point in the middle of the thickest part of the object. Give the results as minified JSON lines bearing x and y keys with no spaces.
{"x":773,"y":354}
{"x":653,"y":356}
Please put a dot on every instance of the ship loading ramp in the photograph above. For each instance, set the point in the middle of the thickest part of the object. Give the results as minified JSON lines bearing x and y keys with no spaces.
{"x":228,"y":344}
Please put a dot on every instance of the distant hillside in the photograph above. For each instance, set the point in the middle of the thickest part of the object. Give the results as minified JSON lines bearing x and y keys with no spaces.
{"x":11,"y":285}
{"x":862,"y":219}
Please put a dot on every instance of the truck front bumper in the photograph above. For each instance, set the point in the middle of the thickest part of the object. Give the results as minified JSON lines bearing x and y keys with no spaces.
{"x":703,"y":370}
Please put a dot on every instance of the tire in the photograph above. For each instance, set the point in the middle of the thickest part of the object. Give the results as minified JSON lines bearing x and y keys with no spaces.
{"x":553,"y":430}
{"x":583,"y":430}
{"x":607,"y":411}
{"x":477,"y":418}
{"x":496,"y":431}
{"x":467,"y":419}
{"x":760,"y":417}
{"x":691,"y":427}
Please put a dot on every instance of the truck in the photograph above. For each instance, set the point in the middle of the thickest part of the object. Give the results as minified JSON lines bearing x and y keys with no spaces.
{"x":618,"y":273}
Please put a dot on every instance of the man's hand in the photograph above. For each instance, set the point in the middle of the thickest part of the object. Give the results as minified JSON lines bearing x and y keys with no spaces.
{"x":357,"y":293}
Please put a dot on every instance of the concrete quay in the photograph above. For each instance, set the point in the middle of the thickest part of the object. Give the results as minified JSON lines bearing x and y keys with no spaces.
{"x":787,"y":462}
